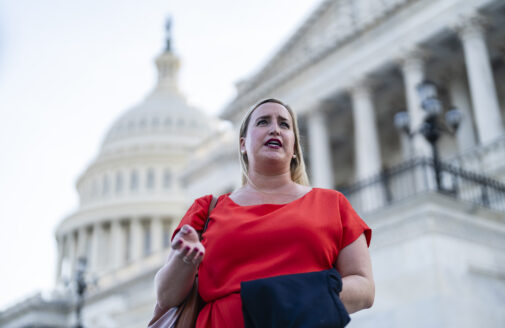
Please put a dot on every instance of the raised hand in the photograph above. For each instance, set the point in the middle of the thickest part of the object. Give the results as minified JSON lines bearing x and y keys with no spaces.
{"x":187,"y":246}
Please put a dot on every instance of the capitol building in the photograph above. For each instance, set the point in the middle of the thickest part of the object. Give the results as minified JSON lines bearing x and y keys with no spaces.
{"x":428,"y":179}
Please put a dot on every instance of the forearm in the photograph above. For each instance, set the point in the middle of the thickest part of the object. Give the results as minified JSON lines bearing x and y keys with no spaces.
{"x":174,"y":281}
{"x":357,"y":293}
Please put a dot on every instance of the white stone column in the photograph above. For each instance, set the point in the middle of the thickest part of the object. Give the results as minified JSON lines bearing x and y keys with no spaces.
{"x":480,"y":75}
{"x":458,"y":93}
{"x":82,"y":240}
{"x":156,"y":234}
{"x":60,"y":242}
{"x":366,"y":145}
{"x":72,"y":253}
{"x":117,"y":244}
{"x":321,"y":167}
{"x":412,"y":66}
{"x":366,"y":139}
{"x":136,"y":234}
{"x":97,"y":236}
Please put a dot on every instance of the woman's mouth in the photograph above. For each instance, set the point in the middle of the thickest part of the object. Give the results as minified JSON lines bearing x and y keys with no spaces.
{"x":273,"y":143}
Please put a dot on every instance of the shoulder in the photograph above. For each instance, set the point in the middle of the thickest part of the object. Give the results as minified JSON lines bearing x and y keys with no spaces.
{"x":197,"y":212}
{"x":332,"y":198}
{"x":328,"y":193}
{"x":196,"y":215}
{"x":202,"y":202}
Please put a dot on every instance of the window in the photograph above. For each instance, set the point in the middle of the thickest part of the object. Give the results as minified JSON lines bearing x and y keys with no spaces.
{"x":167,"y":179}
{"x":134,"y":180}
{"x":105,"y":185}
{"x":94,"y":188}
{"x":119,"y":182}
{"x":150,"y":179}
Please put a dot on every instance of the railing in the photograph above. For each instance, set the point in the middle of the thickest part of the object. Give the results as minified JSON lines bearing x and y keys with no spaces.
{"x":418,"y":176}
{"x":490,"y":157}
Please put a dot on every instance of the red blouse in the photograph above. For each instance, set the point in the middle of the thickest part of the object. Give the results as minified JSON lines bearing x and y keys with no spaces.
{"x":257,"y":241}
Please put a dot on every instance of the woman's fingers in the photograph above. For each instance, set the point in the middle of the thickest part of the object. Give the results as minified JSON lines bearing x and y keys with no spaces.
{"x":189,"y":254}
{"x":198,"y":257}
{"x":188,"y":233}
{"x":188,"y":249}
{"x":177,"y":243}
{"x":192,"y":255}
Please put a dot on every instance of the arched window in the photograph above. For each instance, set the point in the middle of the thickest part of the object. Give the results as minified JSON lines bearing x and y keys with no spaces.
{"x":134,"y":180}
{"x":150,"y":179}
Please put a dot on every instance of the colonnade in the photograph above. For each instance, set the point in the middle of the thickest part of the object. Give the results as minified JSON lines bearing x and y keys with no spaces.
{"x":479,"y":102}
{"x":111,"y":244}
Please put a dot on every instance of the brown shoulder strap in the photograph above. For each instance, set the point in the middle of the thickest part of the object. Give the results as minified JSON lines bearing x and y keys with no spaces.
{"x":212,"y":204}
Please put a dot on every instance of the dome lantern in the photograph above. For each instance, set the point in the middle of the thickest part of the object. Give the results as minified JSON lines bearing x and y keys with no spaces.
{"x":167,"y":63}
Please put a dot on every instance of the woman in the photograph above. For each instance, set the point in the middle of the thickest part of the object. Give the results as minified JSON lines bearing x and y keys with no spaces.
{"x":275,"y":224}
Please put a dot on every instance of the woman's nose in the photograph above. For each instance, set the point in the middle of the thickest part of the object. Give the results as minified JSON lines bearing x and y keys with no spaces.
{"x":275,"y":130}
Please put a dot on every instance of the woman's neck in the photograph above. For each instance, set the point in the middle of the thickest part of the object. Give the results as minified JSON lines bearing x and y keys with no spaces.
{"x":271,"y":183}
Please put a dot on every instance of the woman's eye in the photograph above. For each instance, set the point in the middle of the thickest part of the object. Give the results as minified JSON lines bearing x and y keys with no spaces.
{"x":285,"y":124}
{"x":261,"y":122}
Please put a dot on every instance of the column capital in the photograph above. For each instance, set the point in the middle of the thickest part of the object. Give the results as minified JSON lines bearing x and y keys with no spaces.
{"x":322,"y":109}
{"x":471,"y":25}
{"x":361,"y":86}
{"x":412,"y":58}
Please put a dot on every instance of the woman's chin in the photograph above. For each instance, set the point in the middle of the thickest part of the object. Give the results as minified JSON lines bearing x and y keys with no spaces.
{"x":273,"y":158}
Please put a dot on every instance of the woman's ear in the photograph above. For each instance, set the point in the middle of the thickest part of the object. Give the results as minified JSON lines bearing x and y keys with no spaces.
{"x":242,"y":145}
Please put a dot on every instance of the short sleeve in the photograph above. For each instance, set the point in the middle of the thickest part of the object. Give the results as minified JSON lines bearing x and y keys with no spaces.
{"x":352,"y":225}
{"x":196,"y":214}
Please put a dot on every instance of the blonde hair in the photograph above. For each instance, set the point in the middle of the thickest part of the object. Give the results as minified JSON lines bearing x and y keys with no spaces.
{"x":297,"y":165}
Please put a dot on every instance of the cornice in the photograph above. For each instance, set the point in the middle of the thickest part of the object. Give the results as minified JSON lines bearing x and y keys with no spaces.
{"x":256,"y":88}
{"x":433,"y":213}
{"x":126,"y":208}
{"x":35,"y":302}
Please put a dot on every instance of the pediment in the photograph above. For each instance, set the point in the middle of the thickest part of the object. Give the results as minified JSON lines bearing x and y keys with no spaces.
{"x":332,"y":24}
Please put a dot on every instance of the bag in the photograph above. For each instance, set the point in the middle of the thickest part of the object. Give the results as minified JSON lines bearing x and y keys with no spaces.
{"x":184,"y":315}
{"x":306,"y":300}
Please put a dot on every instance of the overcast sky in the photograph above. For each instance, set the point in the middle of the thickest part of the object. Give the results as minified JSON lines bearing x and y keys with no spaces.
{"x":68,"y":69}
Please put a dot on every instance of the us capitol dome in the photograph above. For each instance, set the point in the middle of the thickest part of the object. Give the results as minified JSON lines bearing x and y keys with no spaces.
{"x":131,"y":197}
